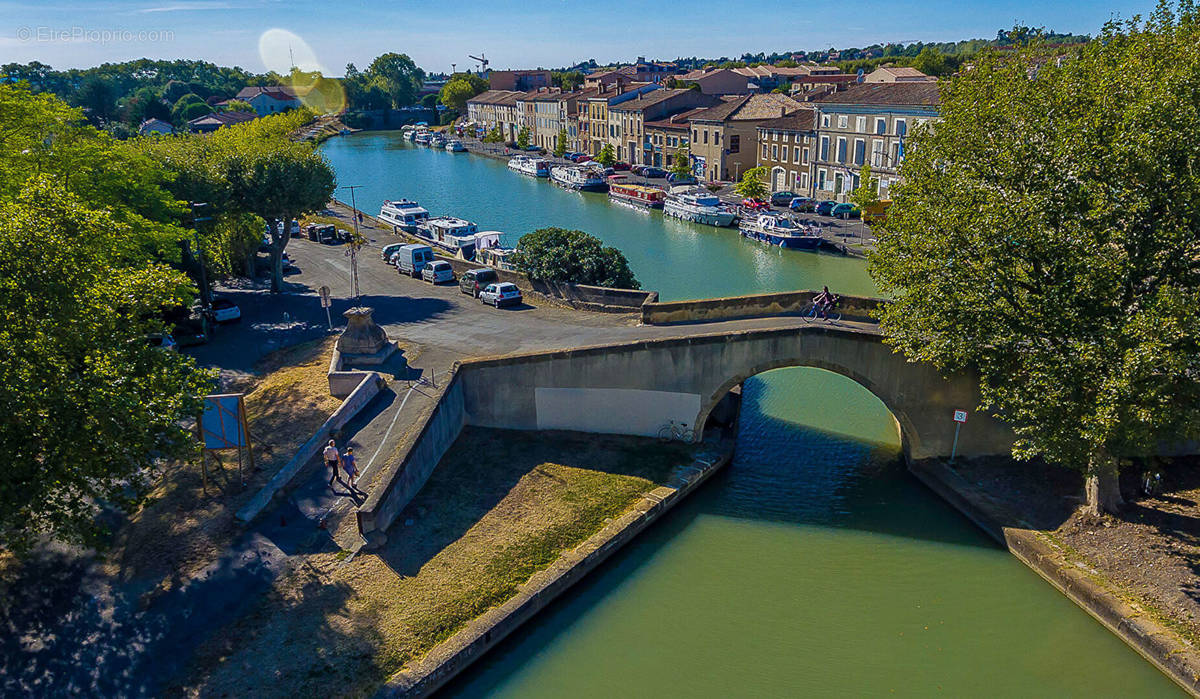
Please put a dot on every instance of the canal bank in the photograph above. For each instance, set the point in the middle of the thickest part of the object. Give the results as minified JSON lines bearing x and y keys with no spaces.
{"x":814,"y":563}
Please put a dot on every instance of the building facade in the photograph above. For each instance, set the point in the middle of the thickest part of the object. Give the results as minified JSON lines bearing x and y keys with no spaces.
{"x":866,"y":124}
{"x":724,"y":138}
{"x":628,"y":120}
{"x":785,"y":150}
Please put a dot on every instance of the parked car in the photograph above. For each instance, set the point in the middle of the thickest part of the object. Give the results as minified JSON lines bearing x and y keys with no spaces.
{"x":437,"y":272}
{"x":824,"y":207}
{"x":161,"y":341}
{"x":755,"y":204}
{"x":783,"y":198}
{"x":389,"y":251}
{"x":225,"y":311}
{"x":572,"y":156}
{"x":803,"y":204}
{"x":584,"y":159}
{"x":286,"y":263}
{"x":682,"y":179}
{"x":533,"y":148}
{"x":412,"y":258}
{"x":638,"y":169}
{"x":654,"y":172}
{"x":621,"y":166}
{"x":846,"y":210}
{"x":501,"y":294}
{"x":476,"y":280}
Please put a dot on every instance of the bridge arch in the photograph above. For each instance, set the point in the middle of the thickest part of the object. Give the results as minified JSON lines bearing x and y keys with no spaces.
{"x":904,"y":424}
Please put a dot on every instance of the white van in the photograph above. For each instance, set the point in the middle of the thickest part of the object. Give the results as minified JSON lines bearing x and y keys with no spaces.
{"x":412,"y":258}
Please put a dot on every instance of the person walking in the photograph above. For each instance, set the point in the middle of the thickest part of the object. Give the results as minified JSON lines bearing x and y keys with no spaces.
{"x":332,"y":460}
{"x":351,"y":468}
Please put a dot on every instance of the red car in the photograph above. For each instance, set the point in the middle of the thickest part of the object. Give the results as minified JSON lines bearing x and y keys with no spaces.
{"x":583,"y":159}
{"x":755,"y":205}
{"x":620,"y":166}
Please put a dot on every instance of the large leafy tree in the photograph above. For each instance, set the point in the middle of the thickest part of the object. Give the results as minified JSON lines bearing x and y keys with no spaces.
{"x":1047,"y":236}
{"x":561,"y":255}
{"x":460,"y":88}
{"x":398,"y":76}
{"x":607,"y":156}
{"x":560,"y":143}
{"x":680,"y":165}
{"x":86,"y":232}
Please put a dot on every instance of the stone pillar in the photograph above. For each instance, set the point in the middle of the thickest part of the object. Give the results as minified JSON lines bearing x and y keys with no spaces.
{"x":363,"y":341}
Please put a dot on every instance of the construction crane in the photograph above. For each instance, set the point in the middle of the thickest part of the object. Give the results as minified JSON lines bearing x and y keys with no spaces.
{"x":483,"y":62}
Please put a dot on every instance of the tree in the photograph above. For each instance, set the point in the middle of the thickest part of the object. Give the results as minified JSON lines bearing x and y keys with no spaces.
{"x":560,"y":255}
{"x":753,"y":184}
{"x":239,"y":106}
{"x":455,"y":94}
{"x":494,"y":135}
{"x":866,"y":194}
{"x":398,"y":76}
{"x":279,"y":182}
{"x":930,"y":61}
{"x":681,"y":166}
{"x":523,"y":138}
{"x":560,"y":143}
{"x":569,"y":81}
{"x":606,"y":156}
{"x":1046,"y":236}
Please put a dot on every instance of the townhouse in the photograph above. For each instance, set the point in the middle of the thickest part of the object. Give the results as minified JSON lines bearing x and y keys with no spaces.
{"x":718,"y":81}
{"x":785,"y":150}
{"x":724,"y":138}
{"x":664,"y":137}
{"x":493,"y":108}
{"x":893,"y":74}
{"x":866,"y":124}
{"x":627,"y":120}
{"x":595,"y":121}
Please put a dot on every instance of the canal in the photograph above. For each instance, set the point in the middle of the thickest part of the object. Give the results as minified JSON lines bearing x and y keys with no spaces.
{"x":814,"y":565}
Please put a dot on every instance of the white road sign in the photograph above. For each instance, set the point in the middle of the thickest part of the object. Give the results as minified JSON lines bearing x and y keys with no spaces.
{"x":960,"y":416}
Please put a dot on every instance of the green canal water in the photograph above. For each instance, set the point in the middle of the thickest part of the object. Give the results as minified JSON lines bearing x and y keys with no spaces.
{"x":814,"y":565}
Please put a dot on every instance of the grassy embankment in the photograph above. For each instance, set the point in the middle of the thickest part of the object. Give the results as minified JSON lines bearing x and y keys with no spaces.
{"x":500,"y":507}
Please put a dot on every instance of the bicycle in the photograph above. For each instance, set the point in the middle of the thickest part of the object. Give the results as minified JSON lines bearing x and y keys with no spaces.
{"x":814,"y":313}
{"x":676,"y":431}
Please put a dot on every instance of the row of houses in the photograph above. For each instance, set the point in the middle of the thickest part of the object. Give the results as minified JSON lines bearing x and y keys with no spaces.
{"x":814,"y":140}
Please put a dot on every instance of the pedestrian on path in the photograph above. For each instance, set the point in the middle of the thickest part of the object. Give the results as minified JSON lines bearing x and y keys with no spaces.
{"x":332,"y":461}
{"x":351,"y":468}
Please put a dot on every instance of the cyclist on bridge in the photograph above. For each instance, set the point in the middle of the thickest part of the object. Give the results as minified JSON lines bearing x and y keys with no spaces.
{"x":825,"y":301}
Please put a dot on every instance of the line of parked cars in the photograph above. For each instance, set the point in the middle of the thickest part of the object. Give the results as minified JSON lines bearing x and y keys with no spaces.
{"x":418,"y":261}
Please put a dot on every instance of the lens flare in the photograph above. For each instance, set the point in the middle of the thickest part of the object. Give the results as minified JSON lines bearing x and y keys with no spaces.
{"x":287,"y":54}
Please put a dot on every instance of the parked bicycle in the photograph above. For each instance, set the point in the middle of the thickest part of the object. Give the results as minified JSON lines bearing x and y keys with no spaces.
{"x":676,"y":431}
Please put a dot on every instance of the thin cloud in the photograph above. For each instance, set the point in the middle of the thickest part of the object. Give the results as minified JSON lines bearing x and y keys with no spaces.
{"x":195,"y":6}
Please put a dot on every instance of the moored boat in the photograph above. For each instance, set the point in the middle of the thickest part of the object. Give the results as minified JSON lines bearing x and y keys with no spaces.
{"x":404,"y":214}
{"x":454,"y":235}
{"x":529,"y":165}
{"x":775,"y":229}
{"x":580,"y":178}
{"x":422,"y":138}
{"x":698,"y":206}
{"x":636,"y":194}
{"x":455,"y":146}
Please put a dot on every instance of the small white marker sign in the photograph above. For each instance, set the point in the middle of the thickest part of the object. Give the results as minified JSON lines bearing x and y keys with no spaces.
{"x":326,"y":302}
{"x":960,"y":416}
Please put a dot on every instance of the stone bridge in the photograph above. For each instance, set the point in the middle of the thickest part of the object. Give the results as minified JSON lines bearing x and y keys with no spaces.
{"x":639,"y":387}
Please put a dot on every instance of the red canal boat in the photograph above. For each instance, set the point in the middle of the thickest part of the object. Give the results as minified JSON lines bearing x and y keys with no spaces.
{"x":636,"y":194}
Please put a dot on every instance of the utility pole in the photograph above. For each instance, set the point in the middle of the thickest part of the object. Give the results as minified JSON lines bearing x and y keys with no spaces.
{"x":354,"y":244}
{"x":205,"y":292}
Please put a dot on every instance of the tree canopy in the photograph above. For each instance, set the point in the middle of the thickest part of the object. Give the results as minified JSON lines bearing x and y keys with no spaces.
{"x":607,"y":156}
{"x":1046,"y":234}
{"x":561,"y":255}
{"x":87,"y":244}
{"x":753,"y":184}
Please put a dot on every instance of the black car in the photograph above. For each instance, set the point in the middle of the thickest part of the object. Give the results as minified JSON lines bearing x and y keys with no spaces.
{"x":474,"y":281}
{"x":782,"y":198}
{"x":654,"y":172}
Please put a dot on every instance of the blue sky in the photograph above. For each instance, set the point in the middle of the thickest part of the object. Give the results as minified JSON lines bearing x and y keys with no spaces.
{"x":512,"y":33}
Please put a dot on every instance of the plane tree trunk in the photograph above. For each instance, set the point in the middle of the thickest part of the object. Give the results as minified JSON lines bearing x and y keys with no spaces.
{"x":1103,"y":485}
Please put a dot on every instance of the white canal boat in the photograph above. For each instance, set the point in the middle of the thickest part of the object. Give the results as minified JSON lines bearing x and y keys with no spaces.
{"x":580,"y":178}
{"x":698,"y":206}
{"x":774,"y":229}
{"x":529,"y":165}
{"x":404,"y":214}
{"x":454,"y":235}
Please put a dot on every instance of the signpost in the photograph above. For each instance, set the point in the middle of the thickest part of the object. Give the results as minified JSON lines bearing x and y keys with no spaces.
{"x":326,"y":303}
{"x":960,"y":416}
{"x":223,"y":426}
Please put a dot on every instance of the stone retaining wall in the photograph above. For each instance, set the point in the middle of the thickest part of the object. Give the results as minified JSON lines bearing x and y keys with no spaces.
{"x":369,"y":385}
{"x":750,"y":306}
{"x":450,"y":657}
{"x":403,"y":478}
{"x":1162,"y":647}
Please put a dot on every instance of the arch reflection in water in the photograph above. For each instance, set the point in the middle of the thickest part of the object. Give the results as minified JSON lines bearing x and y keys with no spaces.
{"x":813,"y":566}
